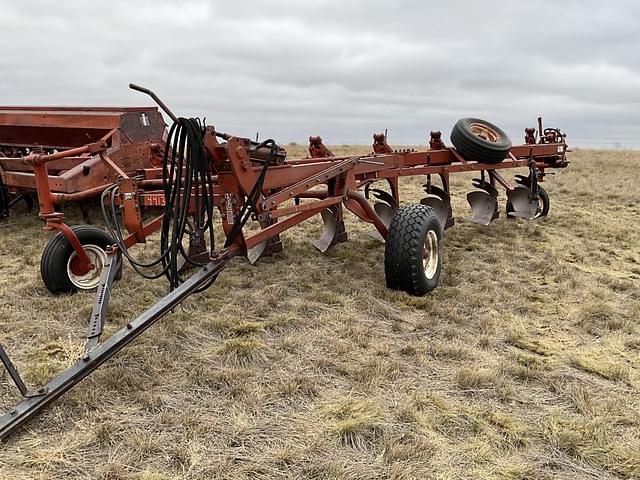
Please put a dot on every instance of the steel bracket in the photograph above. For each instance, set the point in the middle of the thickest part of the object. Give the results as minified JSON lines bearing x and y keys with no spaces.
{"x":25,"y":391}
{"x":101,"y":304}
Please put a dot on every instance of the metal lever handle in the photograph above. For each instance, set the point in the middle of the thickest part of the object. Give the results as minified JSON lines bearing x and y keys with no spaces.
{"x":138,"y":88}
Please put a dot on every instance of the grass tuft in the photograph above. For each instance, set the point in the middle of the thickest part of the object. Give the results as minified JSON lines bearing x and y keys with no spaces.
{"x":603,"y":367}
{"x":355,"y":422}
{"x":241,"y":351}
{"x":471,"y":378}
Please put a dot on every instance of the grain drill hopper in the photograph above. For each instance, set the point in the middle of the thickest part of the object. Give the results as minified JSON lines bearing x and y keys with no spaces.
{"x":72,"y":154}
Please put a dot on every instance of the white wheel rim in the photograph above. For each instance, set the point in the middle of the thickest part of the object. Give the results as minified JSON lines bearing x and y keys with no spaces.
{"x":540,"y":206}
{"x":91,"y":279}
{"x":430,"y":254}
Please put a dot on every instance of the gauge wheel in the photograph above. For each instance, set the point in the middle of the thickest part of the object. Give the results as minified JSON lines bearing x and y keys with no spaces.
{"x":60,"y":267}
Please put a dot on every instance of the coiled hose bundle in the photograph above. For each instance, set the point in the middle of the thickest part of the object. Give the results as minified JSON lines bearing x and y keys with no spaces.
{"x":186,"y":177}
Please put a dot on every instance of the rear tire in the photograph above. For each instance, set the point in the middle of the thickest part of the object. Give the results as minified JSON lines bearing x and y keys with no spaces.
{"x":413,"y":250}
{"x":55,"y":264}
{"x":480,"y":140}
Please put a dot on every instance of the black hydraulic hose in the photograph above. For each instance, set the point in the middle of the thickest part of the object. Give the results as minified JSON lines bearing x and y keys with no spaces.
{"x":113,"y":225}
{"x":185,"y":174}
{"x":250,"y":204}
{"x":187,"y":181}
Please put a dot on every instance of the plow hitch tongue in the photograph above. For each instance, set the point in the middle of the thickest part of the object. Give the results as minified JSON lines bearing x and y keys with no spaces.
{"x":483,"y":202}
{"x":36,"y":401}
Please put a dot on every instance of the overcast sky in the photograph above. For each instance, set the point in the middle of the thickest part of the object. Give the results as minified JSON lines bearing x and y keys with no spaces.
{"x":339,"y":69}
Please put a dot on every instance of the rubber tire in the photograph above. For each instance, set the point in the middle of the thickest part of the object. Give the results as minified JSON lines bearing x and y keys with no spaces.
{"x":546,"y":204}
{"x":473,"y":147}
{"x":403,"y":268}
{"x":53,"y":263}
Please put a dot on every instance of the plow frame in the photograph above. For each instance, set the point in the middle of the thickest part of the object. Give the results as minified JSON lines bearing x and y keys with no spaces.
{"x":326,"y":183}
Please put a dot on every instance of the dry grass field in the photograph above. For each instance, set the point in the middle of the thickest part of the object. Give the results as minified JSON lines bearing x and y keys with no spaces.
{"x":523,"y":364}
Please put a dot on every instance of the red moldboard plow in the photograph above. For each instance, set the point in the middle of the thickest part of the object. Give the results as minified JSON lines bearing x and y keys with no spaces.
{"x":203,"y":170}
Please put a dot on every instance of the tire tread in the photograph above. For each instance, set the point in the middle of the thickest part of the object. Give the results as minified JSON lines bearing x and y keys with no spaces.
{"x":53,"y":263}
{"x":474,"y":148}
{"x":403,"y":249}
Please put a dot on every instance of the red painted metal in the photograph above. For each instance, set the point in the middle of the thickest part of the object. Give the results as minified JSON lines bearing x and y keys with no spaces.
{"x":75,"y":153}
{"x":109,"y":146}
{"x":236,"y":170}
{"x":240,"y":172}
{"x":317,"y":149}
{"x":81,"y":264}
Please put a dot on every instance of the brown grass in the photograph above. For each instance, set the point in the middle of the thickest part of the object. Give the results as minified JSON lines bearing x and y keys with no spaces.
{"x":523,"y":364}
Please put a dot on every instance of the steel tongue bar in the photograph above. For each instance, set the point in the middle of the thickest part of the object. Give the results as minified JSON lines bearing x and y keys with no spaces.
{"x":101,"y":353}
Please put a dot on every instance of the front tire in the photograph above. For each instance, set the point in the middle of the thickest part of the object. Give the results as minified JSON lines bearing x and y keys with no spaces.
{"x":57,"y":262}
{"x":413,"y":250}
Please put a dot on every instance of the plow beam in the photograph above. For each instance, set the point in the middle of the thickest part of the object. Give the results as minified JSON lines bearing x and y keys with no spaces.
{"x":104,"y":351}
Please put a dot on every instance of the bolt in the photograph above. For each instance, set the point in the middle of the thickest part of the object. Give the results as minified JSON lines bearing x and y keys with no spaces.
{"x":129,"y":326}
{"x":86,"y":358}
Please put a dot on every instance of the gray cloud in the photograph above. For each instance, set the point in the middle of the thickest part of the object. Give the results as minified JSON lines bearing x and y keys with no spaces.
{"x":338,"y":69}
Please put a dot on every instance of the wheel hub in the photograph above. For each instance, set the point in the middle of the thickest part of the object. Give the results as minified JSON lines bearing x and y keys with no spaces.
{"x":87,"y":280}
{"x":484,"y":132}
{"x":430,"y":254}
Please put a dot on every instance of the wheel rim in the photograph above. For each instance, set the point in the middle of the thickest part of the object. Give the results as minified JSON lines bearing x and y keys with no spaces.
{"x":484,"y":132}
{"x":430,"y":254}
{"x":540,"y":208}
{"x":91,"y":279}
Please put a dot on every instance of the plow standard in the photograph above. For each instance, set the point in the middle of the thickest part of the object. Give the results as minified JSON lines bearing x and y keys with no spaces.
{"x":204,"y":170}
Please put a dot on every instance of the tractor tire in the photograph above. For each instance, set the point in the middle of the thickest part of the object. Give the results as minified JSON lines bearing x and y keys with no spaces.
{"x":480,"y":140}
{"x":56,"y":268}
{"x":413,"y":250}
{"x":543,"y":204}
